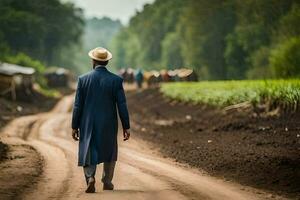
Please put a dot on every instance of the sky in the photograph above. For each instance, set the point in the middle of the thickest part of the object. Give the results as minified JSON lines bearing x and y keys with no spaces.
{"x":115,"y":9}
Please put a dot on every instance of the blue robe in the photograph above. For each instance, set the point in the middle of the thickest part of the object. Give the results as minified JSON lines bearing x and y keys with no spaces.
{"x":99,"y":96}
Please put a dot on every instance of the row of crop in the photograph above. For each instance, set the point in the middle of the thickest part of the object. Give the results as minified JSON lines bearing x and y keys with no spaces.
{"x":274,"y":93}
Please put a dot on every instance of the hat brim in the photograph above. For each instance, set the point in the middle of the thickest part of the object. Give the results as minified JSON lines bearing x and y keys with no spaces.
{"x":91,"y":55}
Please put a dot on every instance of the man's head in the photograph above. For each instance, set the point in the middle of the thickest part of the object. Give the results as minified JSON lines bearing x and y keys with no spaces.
{"x":97,"y":62}
{"x":100,"y":56}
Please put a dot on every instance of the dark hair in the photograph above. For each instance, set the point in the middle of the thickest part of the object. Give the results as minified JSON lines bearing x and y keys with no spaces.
{"x":103,"y":63}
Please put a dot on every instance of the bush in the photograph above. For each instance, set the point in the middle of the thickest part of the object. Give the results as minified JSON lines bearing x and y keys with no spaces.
{"x":260,"y":64}
{"x":26,"y":61}
{"x":285,"y":59}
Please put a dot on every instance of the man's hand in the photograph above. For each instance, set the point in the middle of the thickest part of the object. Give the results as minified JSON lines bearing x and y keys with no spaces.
{"x":75,"y":134}
{"x":126,"y":134}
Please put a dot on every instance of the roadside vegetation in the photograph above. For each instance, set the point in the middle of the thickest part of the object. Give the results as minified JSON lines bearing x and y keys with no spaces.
{"x":219,"y":39}
{"x":275,"y":93}
{"x":41,"y":83}
{"x":35,"y":28}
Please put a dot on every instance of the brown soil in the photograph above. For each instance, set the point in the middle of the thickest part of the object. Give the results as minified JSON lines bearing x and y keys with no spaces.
{"x":3,"y":151}
{"x":36,"y":103}
{"x":19,"y":170}
{"x":20,"y":163}
{"x":12,"y":109}
{"x":141,"y":172}
{"x":239,"y":145}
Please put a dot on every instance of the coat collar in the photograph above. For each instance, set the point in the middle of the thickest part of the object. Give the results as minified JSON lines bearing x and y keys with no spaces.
{"x":100,"y":68}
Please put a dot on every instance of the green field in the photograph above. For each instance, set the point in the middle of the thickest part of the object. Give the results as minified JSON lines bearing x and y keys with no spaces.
{"x":284,"y":93}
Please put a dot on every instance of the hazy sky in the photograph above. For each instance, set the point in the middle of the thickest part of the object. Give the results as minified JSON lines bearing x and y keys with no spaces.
{"x":115,"y":9}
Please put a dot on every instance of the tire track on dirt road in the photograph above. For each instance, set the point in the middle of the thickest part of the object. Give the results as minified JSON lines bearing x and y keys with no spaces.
{"x":139,"y":174}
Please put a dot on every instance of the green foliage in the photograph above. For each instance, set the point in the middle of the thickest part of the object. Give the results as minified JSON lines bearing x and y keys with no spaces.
{"x":126,"y":50}
{"x":203,"y":27}
{"x":257,"y":22}
{"x":234,"y":56}
{"x":99,"y":32}
{"x":260,"y":61}
{"x":289,"y":24}
{"x":53,"y":32}
{"x":151,"y":27}
{"x":40,"y":28}
{"x":139,"y":44}
{"x":285,"y":59}
{"x":4,"y":49}
{"x":48,"y":92}
{"x":118,"y":48}
{"x":171,"y":51}
{"x":24,"y":60}
{"x":219,"y":39}
{"x":225,"y":93}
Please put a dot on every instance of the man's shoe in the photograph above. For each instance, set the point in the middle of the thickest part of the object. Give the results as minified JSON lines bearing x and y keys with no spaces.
{"x":108,"y":186}
{"x":91,"y":186}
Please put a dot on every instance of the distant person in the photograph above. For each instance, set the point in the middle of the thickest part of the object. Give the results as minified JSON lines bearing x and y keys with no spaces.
{"x":130,"y":75}
{"x":123,"y":74}
{"x":139,"y":78}
{"x":99,"y":95}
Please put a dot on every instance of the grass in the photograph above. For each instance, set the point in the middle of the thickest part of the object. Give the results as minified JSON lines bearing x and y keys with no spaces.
{"x":284,"y":93}
{"x":52,"y":93}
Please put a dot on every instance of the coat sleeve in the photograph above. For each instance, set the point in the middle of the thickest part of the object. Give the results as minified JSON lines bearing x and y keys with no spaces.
{"x":77,"y":108}
{"x":122,"y":106}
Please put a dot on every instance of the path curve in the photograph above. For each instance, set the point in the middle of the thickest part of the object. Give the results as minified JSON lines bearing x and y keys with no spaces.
{"x":139,"y":174}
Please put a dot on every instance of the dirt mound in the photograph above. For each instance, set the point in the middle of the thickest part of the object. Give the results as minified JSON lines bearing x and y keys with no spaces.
{"x":17,"y":159}
{"x":19,"y":170}
{"x":11,"y":109}
{"x":239,"y":145}
{"x":3,"y":150}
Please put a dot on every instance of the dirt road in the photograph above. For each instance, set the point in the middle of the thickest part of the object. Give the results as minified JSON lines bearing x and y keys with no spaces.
{"x":140,"y":173}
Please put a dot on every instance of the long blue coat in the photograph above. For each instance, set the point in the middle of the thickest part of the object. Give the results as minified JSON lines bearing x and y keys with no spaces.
{"x":99,"y":95}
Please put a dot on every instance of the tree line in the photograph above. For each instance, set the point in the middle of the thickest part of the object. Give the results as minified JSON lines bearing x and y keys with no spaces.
{"x":97,"y":32}
{"x":39,"y":32}
{"x":219,"y":39}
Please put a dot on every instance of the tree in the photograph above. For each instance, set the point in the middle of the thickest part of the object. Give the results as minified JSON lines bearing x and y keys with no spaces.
{"x":171,"y":51}
{"x":100,"y":31}
{"x":145,"y":33}
{"x":256,"y":24}
{"x":204,"y":26}
{"x":234,"y":56}
{"x":40,"y":28}
{"x":219,"y":39}
{"x":97,"y":32}
{"x":285,"y":59}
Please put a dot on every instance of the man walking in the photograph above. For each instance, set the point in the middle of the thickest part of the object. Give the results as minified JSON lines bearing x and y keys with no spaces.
{"x":99,"y":95}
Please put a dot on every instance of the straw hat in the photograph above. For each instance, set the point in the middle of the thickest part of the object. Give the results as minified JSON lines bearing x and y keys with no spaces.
{"x":100,"y":54}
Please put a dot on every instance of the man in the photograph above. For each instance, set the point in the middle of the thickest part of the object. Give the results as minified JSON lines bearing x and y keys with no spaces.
{"x":99,"y":95}
{"x":139,"y":77}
